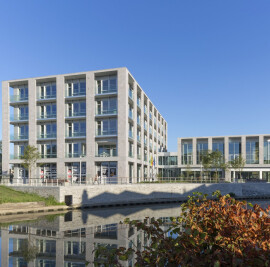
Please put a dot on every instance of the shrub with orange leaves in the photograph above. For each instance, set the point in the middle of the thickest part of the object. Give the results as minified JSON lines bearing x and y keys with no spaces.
{"x":220,"y":231}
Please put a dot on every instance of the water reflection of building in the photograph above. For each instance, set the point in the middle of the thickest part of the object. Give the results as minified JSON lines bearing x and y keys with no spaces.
{"x":69,"y":240}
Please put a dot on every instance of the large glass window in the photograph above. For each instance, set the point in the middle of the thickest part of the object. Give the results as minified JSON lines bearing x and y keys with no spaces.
{"x":252,"y":151}
{"x":76,"y":129}
{"x":107,"y":150}
{"x":266,"y":152}
{"x":105,"y":85}
{"x":76,"y":88}
{"x":234,"y":149}
{"x":46,"y":91}
{"x":186,"y":153}
{"x":202,"y":148}
{"x":76,"y":109}
{"x":107,"y":106}
{"x":47,"y":130}
{"x":107,"y":127}
{"x":23,"y":132}
{"x":48,"y":150}
{"x":23,"y":113}
{"x":47,"y":111}
{"x":76,"y":150}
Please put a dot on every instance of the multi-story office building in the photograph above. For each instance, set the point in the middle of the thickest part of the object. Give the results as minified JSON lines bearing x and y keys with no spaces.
{"x":88,"y":124}
{"x":255,"y":149}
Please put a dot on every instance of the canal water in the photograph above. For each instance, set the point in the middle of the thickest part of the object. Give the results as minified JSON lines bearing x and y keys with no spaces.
{"x":69,"y":239}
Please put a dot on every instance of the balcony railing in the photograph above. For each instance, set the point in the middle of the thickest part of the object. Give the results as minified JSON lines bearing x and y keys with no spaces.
{"x":76,"y":134}
{"x":15,"y":156}
{"x":101,"y":91}
{"x":130,"y":93}
{"x":19,"y":137}
{"x":130,"y":134}
{"x":145,"y":142}
{"x":74,"y":155}
{"x":130,"y":154}
{"x":75,"y":113}
{"x":44,"y":115}
{"x":42,"y":96}
{"x":48,"y":156}
{"x":112,"y":153}
{"x":77,"y":93}
{"x":139,"y":156}
{"x":145,"y":158}
{"x":46,"y":135}
{"x":139,"y":139}
{"x":23,"y":117}
{"x":106,"y":132}
{"x":106,"y":112}
{"x":18,"y":98}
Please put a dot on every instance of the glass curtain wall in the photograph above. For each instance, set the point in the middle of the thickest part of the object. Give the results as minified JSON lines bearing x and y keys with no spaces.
{"x":187,"y":153}
{"x":266,"y":151}
{"x":252,"y":151}
{"x":234,"y":149}
{"x":202,"y":148}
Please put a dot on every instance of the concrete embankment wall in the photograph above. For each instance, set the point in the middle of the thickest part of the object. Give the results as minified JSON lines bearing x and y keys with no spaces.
{"x":142,"y":193}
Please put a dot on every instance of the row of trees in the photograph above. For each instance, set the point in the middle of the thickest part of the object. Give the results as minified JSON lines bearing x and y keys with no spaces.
{"x":214,"y":160}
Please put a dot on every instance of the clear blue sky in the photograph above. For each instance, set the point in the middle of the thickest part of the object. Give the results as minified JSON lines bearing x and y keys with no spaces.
{"x":204,"y":64}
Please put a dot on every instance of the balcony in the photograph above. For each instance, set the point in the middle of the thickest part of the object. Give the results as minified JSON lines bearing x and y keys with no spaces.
{"x":145,"y":158}
{"x":76,"y":93}
{"x":130,"y":154}
{"x":19,"y":137}
{"x":15,"y":156}
{"x":18,"y":98}
{"x":130,"y":93}
{"x":45,"y":115}
{"x":75,"y":155}
{"x":112,"y":153}
{"x":130,"y":134}
{"x":138,"y":102}
{"x":18,"y":118}
{"x":106,"y":91}
{"x":74,"y":114}
{"x":106,"y":112}
{"x":145,"y":142}
{"x":46,"y":135}
{"x":76,"y":134}
{"x":100,"y":133}
{"x":45,"y":97}
{"x":130,"y":114}
{"x":48,"y":156}
{"x":139,"y":156}
{"x":138,"y":139}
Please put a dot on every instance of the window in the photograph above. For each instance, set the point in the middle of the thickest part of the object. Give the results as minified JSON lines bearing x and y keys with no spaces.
{"x":46,"y":91}
{"x":76,"y":88}
{"x":47,"y":111}
{"x":107,"y":151}
{"x":107,"y":106}
{"x":106,"y":85}
{"x":76,"y":150}
{"x":48,"y":150}
{"x":47,"y":130}
{"x":186,"y":153}
{"x":76,"y":129}
{"x":202,"y":149}
{"x":266,"y":151}
{"x":76,"y":109}
{"x":252,"y":151}
{"x":107,"y":127}
{"x":23,"y":113}
{"x":23,"y":132}
{"x":234,"y":149}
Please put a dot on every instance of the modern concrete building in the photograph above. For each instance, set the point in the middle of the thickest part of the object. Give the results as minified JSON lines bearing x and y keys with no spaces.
{"x":255,"y":149}
{"x":87,"y":124}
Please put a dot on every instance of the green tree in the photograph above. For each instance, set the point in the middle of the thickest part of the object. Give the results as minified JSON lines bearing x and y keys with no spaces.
{"x":30,"y":157}
{"x":217,"y":162}
{"x":189,"y":171}
{"x":238,"y":163}
{"x":206,"y":162}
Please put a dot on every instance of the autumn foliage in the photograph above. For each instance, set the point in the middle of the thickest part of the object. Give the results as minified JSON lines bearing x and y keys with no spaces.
{"x":220,"y":231}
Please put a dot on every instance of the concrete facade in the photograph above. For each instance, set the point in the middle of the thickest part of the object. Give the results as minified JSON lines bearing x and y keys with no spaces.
{"x":149,"y":192}
{"x":88,"y":124}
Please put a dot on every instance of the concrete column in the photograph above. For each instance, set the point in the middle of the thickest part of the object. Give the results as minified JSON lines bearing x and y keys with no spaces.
{"x":122,"y":123}
{"x":90,"y":125}
{"x":194,"y":151}
{"x":60,"y":111}
{"x":261,"y":148}
{"x":4,"y":246}
{"x":210,"y":143}
{"x":32,"y":125}
{"x":179,"y":152}
{"x":60,"y":246}
{"x":243,"y":147}
{"x":226,"y":155}
{"x":135,"y":131}
{"x":260,"y":174}
{"x":5,"y":129}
